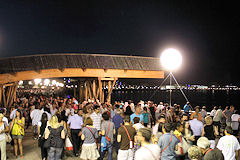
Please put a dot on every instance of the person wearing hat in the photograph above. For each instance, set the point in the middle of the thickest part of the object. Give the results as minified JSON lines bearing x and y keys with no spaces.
{"x":197,"y":113}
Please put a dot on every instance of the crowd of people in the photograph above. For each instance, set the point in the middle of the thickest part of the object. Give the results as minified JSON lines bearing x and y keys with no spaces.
{"x":122,"y":130}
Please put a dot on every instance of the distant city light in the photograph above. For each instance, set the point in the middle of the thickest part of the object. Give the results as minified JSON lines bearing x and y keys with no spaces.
{"x":54,"y":82}
{"x":20,"y":82}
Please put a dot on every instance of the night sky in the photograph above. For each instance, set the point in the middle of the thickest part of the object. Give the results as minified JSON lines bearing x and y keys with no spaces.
{"x":206,"y":32}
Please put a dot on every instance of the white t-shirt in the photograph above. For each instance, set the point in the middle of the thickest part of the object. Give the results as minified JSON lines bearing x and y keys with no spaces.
{"x":228,"y":145}
{"x":148,"y":152}
{"x":138,"y":126}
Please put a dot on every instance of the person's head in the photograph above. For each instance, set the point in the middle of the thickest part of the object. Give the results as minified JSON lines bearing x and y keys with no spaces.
{"x":96,"y":108}
{"x":203,"y":143}
{"x":76,"y":111}
{"x":167,"y":127}
{"x":184,"y":117}
{"x":160,"y":127}
{"x":19,"y":113}
{"x":105,"y":116}
{"x":1,"y":117}
{"x":162,"y":119}
{"x":228,"y":130}
{"x":145,"y":109}
{"x":88,"y":121}
{"x":197,"y":109}
{"x":194,"y":153}
{"x":126,"y":119}
{"x":54,"y":122}
{"x":44,"y":117}
{"x":195,"y":116}
{"x":3,"y":111}
{"x":144,"y":135}
{"x":208,"y":120}
{"x":186,"y":125}
{"x":138,"y":109}
{"x":179,"y":127}
{"x":204,"y":107}
{"x":232,"y":108}
{"x":136,"y":120}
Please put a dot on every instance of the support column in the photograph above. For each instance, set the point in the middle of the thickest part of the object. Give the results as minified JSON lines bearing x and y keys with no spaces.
{"x":94,"y":89}
{"x":85,"y":91}
{"x":100,"y":89}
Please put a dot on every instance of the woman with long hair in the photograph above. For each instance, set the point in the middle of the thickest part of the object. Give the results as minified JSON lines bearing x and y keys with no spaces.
{"x":41,"y":129}
{"x":55,"y":131}
{"x":188,"y":133}
{"x":17,"y":126}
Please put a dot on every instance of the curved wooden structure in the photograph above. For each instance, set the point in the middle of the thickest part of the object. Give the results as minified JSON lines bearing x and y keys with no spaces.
{"x":98,"y":66}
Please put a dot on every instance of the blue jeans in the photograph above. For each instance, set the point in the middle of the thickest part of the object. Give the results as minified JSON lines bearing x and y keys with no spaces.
{"x":109,"y":150}
{"x":54,"y":153}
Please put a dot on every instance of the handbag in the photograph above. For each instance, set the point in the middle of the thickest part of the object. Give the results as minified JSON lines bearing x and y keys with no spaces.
{"x":103,"y":143}
{"x":8,"y":137}
{"x":183,"y":147}
{"x":68,"y":144}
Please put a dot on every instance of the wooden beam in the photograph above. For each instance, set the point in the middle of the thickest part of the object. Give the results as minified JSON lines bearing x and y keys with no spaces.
{"x":89,"y":90}
{"x":110,"y":91}
{"x":13,"y":94}
{"x":100,"y":89}
{"x":94,"y":89}
{"x":1,"y":94}
{"x":78,"y":72}
{"x":85,"y":91}
{"x":4,"y":96}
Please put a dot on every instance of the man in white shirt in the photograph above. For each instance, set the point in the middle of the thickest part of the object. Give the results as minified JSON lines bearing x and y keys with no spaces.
{"x":147,"y":151}
{"x":96,"y":117}
{"x":229,"y":145}
{"x":35,"y":115}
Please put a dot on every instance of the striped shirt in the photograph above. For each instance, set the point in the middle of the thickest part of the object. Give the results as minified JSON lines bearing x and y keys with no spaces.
{"x":97,"y":118}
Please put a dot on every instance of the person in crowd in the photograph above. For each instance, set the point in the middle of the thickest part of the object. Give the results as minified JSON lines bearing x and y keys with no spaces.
{"x":137,"y":114}
{"x":17,"y":126}
{"x":5,"y":120}
{"x":118,"y":121}
{"x":194,"y":153}
{"x":229,"y":145}
{"x":235,"y":122}
{"x":41,"y":129}
{"x":108,"y":130}
{"x":161,"y":120}
{"x":56,"y":133}
{"x":75,"y":123}
{"x":203,"y":113}
{"x":187,"y":108}
{"x":146,"y":116}
{"x":89,"y":136}
{"x":210,"y":131}
{"x":228,"y":114}
{"x":13,"y":112}
{"x":69,"y":110}
{"x":36,"y":117}
{"x":53,"y":109}
{"x":197,"y":113}
{"x":128,"y":111}
{"x":152,"y":112}
{"x":197,"y":127}
{"x":213,"y":112}
{"x":137,"y":125}
{"x":171,"y":115}
{"x":147,"y":151}
{"x":126,"y":135}
{"x":96,"y":117}
{"x":188,"y":133}
{"x":168,"y":143}
{"x":207,"y":152}
{"x":184,"y":118}
{"x":217,"y":118}
{"x":3,"y":130}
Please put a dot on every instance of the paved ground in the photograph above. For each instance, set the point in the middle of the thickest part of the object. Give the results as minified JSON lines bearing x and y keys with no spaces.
{"x":31,"y":151}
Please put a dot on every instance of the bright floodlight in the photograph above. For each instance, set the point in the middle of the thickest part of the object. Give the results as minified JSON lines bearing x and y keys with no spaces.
{"x":37,"y":81}
{"x":46,"y":82}
{"x":54,"y":82}
{"x":171,"y":59}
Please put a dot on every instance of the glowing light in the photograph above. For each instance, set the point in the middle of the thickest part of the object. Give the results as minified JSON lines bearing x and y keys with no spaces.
{"x":30,"y":83}
{"x":171,"y":59}
{"x":20,"y":82}
{"x":37,"y":81}
{"x":46,"y":82}
{"x":54,"y":82}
